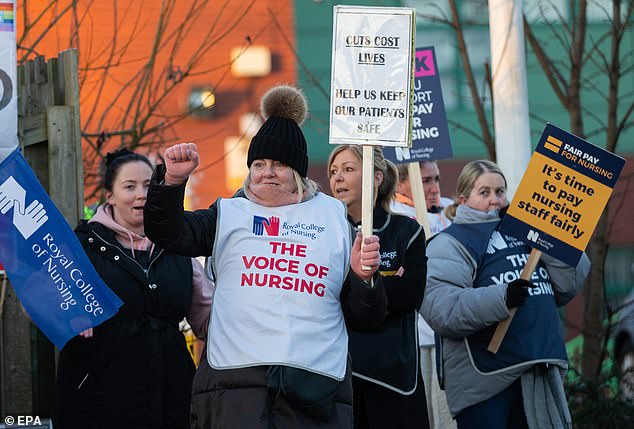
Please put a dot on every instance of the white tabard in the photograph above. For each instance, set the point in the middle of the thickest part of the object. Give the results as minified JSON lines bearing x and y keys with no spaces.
{"x":279,"y":273}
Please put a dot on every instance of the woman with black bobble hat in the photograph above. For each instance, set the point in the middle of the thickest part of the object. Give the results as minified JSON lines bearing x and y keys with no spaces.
{"x":281,"y":253}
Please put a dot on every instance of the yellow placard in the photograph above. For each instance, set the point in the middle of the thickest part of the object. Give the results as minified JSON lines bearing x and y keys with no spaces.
{"x":559,"y":201}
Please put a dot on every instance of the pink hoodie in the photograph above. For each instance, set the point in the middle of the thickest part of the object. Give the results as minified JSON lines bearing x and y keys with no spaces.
{"x":202,"y":287}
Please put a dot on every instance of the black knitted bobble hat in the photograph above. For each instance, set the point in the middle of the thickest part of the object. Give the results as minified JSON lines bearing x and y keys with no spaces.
{"x":280,"y":138}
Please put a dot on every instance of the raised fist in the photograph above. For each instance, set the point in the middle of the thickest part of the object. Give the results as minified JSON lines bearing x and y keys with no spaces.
{"x":180,"y":161}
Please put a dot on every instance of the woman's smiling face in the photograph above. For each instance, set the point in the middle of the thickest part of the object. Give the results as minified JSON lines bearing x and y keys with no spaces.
{"x":275,"y":174}
{"x":129,"y":193}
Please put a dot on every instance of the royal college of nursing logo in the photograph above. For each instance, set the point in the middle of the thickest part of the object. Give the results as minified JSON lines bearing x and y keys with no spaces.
{"x":273,"y":227}
{"x":496,"y":242}
{"x":501,"y":242}
{"x":270,"y":225}
{"x":27,"y":219}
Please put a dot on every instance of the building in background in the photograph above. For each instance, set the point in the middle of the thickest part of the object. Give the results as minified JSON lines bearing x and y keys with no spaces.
{"x":237,"y":49}
{"x":284,"y":41}
{"x":314,"y":46}
{"x":153,"y":73}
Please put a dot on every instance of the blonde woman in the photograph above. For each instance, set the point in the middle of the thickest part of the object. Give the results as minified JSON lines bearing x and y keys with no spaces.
{"x":388,"y":388}
{"x":472,"y":283}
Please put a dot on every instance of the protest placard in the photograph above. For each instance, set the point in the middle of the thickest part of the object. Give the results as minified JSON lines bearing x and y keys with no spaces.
{"x":559,"y":201}
{"x":370,"y":92}
{"x":8,"y":88}
{"x":371,"y":85}
{"x":562,"y":194}
{"x":430,"y":131}
{"x":49,"y":270}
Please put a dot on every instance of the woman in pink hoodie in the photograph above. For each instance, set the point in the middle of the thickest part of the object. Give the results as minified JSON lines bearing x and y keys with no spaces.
{"x":134,"y":370}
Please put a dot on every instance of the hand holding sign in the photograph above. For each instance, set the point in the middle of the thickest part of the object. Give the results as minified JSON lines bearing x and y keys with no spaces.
{"x":369,"y":106}
{"x":503,"y":326}
{"x":517,"y":292}
{"x":558,"y":203}
{"x":367,"y":195}
{"x":366,"y":257}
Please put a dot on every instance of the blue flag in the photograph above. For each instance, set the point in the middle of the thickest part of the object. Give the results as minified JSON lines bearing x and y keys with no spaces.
{"x":48,"y":268}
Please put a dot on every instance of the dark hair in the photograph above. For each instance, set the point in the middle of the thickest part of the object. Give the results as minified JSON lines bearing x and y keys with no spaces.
{"x":117,"y":159}
{"x":403,"y":172}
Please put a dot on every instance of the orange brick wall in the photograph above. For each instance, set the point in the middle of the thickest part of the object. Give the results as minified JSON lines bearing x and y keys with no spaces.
{"x":234,"y":96}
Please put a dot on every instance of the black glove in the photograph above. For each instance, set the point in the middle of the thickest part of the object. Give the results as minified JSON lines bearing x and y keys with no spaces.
{"x":517,"y":292}
{"x":503,"y":211}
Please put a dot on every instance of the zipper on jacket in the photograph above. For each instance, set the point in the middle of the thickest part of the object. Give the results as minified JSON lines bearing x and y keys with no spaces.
{"x":82,"y":382}
{"x":145,"y":270}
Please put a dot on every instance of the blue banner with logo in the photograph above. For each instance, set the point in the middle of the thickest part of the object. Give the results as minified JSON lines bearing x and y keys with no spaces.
{"x":430,"y":131}
{"x":47,"y":266}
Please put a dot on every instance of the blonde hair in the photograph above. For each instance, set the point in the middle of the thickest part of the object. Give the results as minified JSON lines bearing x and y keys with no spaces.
{"x":306,"y":188}
{"x":467,"y":178}
{"x":387,"y":189}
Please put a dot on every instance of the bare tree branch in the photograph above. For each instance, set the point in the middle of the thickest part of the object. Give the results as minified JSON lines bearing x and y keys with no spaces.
{"x":477,"y":104}
{"x":555,"y":78}
{"x":50,"y":26}
{"x":313,"y":79}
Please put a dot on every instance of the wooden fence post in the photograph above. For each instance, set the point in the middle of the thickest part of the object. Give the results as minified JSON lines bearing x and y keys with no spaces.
{"x":50,"y":136}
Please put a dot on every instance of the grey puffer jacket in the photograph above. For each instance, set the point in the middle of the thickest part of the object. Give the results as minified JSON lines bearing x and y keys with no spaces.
{"x":455,"y":309}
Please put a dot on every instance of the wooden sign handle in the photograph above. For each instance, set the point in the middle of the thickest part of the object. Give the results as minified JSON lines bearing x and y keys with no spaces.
{"x":418,"y":195}
{"x":503,"y":326}
{"x":367,"y":195}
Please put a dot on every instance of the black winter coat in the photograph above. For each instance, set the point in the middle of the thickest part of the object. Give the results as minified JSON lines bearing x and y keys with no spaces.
{"x":135,"y":372}
{"x":387,"y":358}
{"x":239,"y":398}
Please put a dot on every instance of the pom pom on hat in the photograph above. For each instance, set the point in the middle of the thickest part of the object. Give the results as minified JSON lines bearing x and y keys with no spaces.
{"x":284,"y":101}
{"x":280,"y":138}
